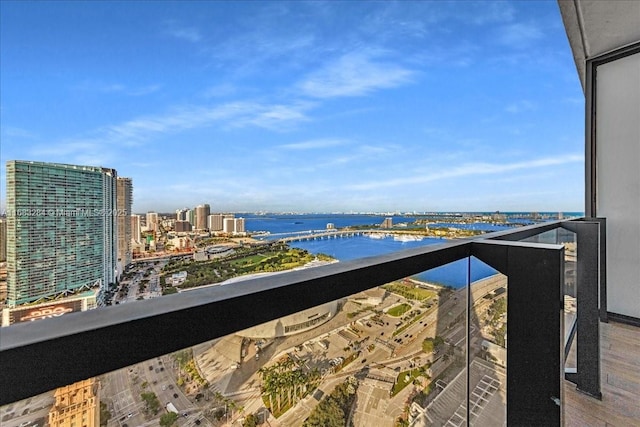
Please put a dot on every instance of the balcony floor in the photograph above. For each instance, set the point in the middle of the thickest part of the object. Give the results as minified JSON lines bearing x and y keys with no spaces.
{"x":620,"y":382}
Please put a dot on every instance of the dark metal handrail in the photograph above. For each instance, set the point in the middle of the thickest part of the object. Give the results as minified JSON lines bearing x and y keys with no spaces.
{"x":82,"y":345}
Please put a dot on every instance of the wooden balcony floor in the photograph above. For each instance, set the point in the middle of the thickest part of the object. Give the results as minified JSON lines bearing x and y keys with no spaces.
{"x":620,"y":383}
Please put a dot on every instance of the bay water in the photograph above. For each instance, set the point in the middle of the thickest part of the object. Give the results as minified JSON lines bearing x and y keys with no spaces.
{"x":350,"y":248}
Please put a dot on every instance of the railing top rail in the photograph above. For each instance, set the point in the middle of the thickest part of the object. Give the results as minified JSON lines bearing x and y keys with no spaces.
{"x":90,"y":343}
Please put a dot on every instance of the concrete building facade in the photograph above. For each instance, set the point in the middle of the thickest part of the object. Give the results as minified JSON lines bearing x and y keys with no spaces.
{"x":215,"y":222}
{"x":124,"y":201}
{"x":61,"y":231}
{"x":3,"y":239}
{"x":76,"y":405}
{"x":136,"y":229}
{"x":152,"y":221}
{"x":202,"y":214}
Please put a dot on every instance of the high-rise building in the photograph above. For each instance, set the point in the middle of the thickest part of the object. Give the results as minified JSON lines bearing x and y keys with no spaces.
{"x":190,"y":216}
{"x":387,"y":223}
{"x":239,"y":225}
{"x":123,"y":215}
{"x":181,"y":214}
{"x":76,"y":405}
{"x":214,"y":222}
{"x":202,"y":213}
{"x":3,"y":239}
{"x":61,"y":231}
{"x":136,"y":232}
{"x":229,"y":225}
{"x":182,"y":226}
{"x":152,"y":221}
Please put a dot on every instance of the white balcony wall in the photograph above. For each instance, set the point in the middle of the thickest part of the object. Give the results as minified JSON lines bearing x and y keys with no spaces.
{"x":617,"y":125}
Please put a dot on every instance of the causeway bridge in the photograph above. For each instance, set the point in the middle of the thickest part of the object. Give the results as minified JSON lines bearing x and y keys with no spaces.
{"x":337,"y":234}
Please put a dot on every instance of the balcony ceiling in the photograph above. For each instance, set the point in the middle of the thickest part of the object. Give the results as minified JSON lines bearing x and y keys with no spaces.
{"x":595,"y":27}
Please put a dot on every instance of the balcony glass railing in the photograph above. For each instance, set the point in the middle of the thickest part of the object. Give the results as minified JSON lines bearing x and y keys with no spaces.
{"x":369,"y":336}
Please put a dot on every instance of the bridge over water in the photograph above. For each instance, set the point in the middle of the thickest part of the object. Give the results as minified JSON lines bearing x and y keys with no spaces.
{"x":331,"y":235}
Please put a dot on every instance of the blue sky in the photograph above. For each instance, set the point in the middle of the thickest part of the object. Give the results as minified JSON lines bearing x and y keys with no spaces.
{"x":309,"y":107}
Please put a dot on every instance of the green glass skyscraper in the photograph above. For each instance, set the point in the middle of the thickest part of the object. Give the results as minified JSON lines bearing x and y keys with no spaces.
{"x":61,"y":230}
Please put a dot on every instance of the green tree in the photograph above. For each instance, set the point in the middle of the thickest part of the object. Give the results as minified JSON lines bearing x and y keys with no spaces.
{"x":334,"y":409}
{"x":105,"y":415}
{"x":152,"y":404}
{"x":327,"y":415}
{"x":250,"y":421}
{"x":168,"y":419}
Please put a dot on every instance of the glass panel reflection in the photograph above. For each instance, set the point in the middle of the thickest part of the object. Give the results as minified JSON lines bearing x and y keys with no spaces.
{"x":488,"y":352}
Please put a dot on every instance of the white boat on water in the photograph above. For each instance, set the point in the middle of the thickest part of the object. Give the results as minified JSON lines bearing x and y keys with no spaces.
{"x":407,"y":238}
{"x":376,"y":235}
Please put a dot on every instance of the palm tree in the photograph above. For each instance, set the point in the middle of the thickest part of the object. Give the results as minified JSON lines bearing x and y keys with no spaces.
{"x":268,"y":383}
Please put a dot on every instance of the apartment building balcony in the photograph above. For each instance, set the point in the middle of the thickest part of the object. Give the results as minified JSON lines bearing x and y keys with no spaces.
{"x":553,"y":306}
{"x":572,"y":348}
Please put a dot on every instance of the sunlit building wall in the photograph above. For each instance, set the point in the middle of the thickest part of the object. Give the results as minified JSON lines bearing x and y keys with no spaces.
{"x":152,"y":221}
{"x":136,"y":233}
{"x":3,"y":239}
{"x":61,"y":231}
{"x":123,"y":215}
{"x":181,"y":214}
{"x":229,"y":225}
{"x":215,"y":222}
{"x":76,"y":405}
{"x":202,"y":214}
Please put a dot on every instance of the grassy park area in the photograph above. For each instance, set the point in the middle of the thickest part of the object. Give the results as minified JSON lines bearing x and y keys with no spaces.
{"x":241,"y":262}
{"x":410,"y":291}
{"x":399,"y":310}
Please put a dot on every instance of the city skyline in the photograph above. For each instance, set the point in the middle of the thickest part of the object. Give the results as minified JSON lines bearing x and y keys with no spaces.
{"x":306,"y":107}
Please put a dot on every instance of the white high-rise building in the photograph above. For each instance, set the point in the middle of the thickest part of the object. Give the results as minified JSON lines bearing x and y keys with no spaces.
{"x":152,"y":221}
{"x":181,"y":214}
{"x":136,"y":232}
{"x":190,"y":216}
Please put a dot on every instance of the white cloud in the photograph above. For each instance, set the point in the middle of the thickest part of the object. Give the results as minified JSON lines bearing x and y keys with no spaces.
{"x":275,"y":117}
{"x":519,"y":34}
{"x":354,"y":74}
{"x":313,"y":144}
{"x":117,"y":88}
{"x":107,"y":139}
{"x":189,"y":34}
{"x":470,"y":169}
